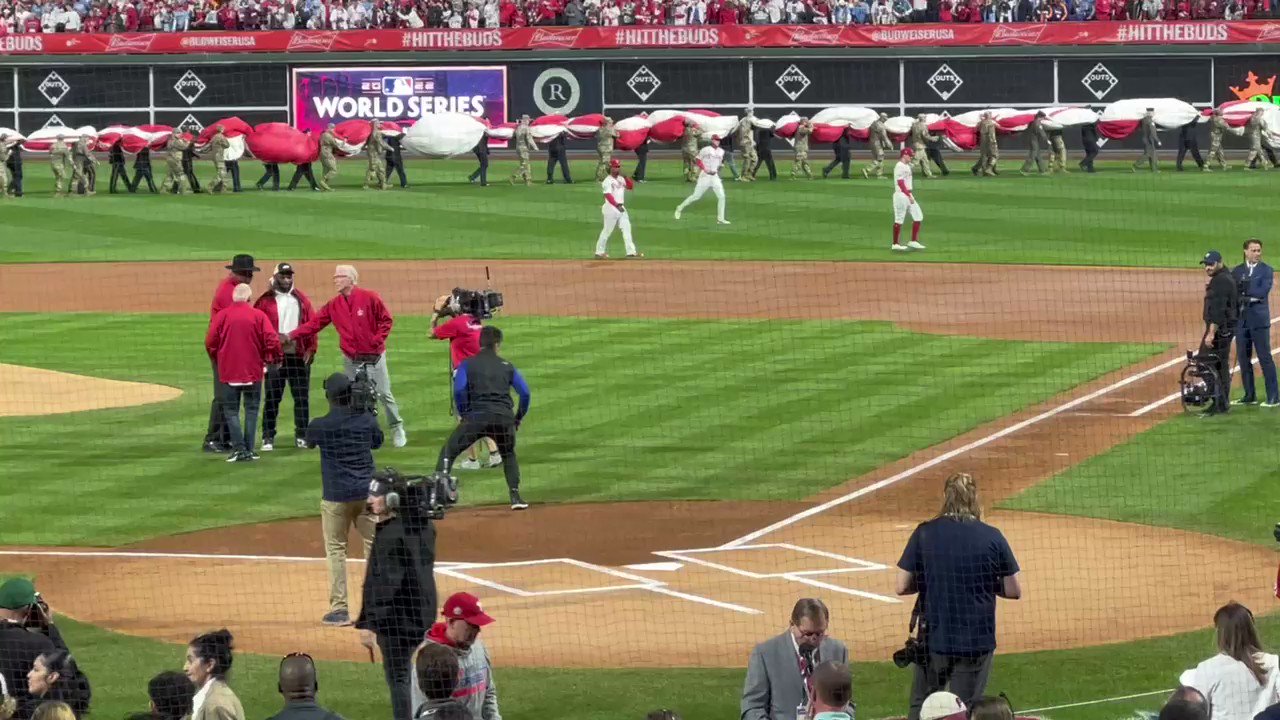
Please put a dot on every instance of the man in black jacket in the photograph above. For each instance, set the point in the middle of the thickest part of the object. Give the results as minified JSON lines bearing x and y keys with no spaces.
{"x":1187,"y":142}
{"x":14,"y":163}
{"x":189,"y":166}
{"x":642,"y":161}
{"x":481,"y":151}
{"x":1089,"y":139}
{"x":26,"y":632}
{"x":142,"y":171}
{"x":395,"y":159}
{"x":557,"y":155}
{"x":1221,"y":308}
{"x":399,"y":599}
{"x":115,"y":156}
{"x":843,"y":148}
{"x":764,"y":152}
{"x":271,"y":174}
{"x":298,"y":684}
{"x":482,"y":389}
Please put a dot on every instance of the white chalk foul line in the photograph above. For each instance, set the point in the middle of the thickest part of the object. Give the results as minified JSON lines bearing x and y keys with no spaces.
{"x":1095,"y":702}
{"x":944,"y":457}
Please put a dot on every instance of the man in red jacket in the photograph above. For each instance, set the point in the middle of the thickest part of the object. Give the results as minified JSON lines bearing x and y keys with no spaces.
{"x":363,"y":323}
{"x":216,"y":438}
{"x":241,"y":341}
{"x":463,"y":334}
{"x":287,"y":307}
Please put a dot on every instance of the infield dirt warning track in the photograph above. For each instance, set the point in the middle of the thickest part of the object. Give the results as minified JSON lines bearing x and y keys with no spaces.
{"x":736,"y":567}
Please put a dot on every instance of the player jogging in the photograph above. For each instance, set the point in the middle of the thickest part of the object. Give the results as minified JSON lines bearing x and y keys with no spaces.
{"x":904,"y":202}
{"x":708,"y":162}
{"x":615,"y":186}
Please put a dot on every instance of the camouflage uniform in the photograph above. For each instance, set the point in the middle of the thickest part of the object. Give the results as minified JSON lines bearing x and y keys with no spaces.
{"x":1217,"y":128}
{"x":328,"y":144}
{"x":82,"y":167}
{"x":919,"y":136}
{"x":523,"y":140}
{"x":1253,"y":130}
{"x":988,"y":149}
{"x":801,"y":163}
{"x":59,"y":159}
{"x":878,"y":139}
{"x":689,"y":151}
{"x":175,"y":179}
{"x":218,"y":143}
{"x":1037,"y":140}
{"x":1150,"y":141}
{"x":1058,"y":156}
{"x":746,"y":141}
{"x":604,"y":148}
{"x":376,"y":148}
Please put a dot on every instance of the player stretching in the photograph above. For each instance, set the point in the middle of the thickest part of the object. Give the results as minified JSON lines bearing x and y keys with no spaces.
{"x":615,"y":213}
{"x":904,"y":202}
{"x":708,"y":162}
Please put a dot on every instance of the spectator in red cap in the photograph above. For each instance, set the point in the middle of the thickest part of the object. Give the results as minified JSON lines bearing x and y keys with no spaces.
{"x":463,"y":618}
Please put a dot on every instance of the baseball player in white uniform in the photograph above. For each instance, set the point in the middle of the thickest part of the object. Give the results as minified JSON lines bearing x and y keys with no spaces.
{"x":905,"y":202}
{"x":708,"y":162}
{"x":615,"y":186}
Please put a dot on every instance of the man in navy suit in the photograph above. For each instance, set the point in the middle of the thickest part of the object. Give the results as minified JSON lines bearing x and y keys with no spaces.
{"x":1253,"y":332}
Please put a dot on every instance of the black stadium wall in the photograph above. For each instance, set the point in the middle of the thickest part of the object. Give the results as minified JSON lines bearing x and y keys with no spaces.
{"x":192,"y":92}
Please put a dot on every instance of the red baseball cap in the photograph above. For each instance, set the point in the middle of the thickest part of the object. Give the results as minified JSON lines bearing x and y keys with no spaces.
{"x":615,"y":163}
{"x":465,"y":606}
{"x":908,"y":151}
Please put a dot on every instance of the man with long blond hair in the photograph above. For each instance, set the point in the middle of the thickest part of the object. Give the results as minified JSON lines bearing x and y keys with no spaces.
{"x":958,"y":565}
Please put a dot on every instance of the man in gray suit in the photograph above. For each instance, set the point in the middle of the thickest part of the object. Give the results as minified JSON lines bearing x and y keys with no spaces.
{"x":780,"y":673}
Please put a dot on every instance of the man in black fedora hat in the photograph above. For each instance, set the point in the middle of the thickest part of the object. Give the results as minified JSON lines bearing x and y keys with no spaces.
{"x":217,"y":438}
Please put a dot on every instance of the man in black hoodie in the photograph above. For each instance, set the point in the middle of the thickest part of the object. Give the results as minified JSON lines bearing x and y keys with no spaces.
{"x":115,"y":156}
{"x":1221,"y":308}
{"x":557,"y":155}
{"x":481,"y":173}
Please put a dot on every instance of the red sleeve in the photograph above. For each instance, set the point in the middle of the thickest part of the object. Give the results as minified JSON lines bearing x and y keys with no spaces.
{"x":630,"y":185}
{"x":609,"y":199}
{"x":312,"y":326}
{"x":308,"y":346}
{"x":445,"y":331}
{"x":902,"y":185}
{"x":382,"y":316}
{"x":211,"y":337}
{"x":270,"y":340}
{"x":698,"y":162}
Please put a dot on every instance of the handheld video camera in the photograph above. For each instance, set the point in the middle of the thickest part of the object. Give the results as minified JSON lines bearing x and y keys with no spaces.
{"x":417,"y":497}
{"x":364,"y":391}
{"x":481,"y":304}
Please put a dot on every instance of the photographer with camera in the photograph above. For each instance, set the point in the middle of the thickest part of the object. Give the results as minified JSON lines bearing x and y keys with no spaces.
{"x":958,"y":565}
{"x":466,"y":311}
{"x":27,"y":631}
{"x":347,"y":437}
{"x":482,"y":392}
{"x":399,"y":600}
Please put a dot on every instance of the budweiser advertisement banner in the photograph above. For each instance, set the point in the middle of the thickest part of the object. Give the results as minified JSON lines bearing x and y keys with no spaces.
{"x":725,"y":36}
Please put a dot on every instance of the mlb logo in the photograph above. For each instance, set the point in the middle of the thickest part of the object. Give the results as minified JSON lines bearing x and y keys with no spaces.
{"x":397,"y":86}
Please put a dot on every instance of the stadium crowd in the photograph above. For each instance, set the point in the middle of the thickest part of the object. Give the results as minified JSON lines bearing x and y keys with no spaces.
{"x":36,"y":16}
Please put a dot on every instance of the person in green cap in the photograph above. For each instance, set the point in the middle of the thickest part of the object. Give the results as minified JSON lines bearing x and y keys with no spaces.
{"x":26,"y":632}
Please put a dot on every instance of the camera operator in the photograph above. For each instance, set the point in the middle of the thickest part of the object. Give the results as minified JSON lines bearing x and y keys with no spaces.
{"x":399,"y":599}
{"x":482,"y":391}
{"x":27,"y":631}
{"x":347,"y":437}
{"x":1221,"y":308}
{"x":958,"y":565}
{"x":463,"y":333}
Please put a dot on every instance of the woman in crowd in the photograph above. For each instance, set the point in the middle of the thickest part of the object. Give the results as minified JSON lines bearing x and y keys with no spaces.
{"x":208,"y":663}
{"x":54,"y":676}
{"x":1241,"y":680}
{"x":991,"y":708}
{"x":54,"y":710}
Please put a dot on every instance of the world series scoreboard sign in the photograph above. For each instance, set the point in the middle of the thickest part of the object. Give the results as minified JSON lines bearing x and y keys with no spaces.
{"x":333,"y":95}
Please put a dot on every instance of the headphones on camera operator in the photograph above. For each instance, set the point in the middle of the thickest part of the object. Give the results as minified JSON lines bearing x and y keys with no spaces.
{"x":421,"y":497}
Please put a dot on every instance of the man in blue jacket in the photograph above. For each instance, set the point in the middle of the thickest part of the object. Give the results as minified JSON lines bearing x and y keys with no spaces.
{"x":1253,"y":330}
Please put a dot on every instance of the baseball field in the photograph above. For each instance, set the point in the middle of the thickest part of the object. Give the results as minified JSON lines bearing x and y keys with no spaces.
{"x":751,"y":414}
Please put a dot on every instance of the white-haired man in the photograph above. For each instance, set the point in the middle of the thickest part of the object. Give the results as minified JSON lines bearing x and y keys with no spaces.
{"x":241,"y":341}
{"x":363,"y":323}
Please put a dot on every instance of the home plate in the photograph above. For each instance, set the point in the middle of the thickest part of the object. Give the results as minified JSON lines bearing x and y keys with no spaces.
{"x":658,"y":566}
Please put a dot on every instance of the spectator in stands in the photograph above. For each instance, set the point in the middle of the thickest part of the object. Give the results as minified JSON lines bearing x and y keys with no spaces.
{"x":53,"y":710}
{"x":832,"y":692}
{"x":991,"y":708}
{"x":55,"y":676}
{"x":460,"y":631}
{"x":1186,"y":704}
{"x":298,"y":684}
{"x":436,"y":674}
{"x":170,"y":693}
{"x":780,"y":673}
{"x":208,"y":664}
{"x":1241,"y":680}
{"x":962,"y":565}
{"x":944,"y":706}
{"x":27,"y":631}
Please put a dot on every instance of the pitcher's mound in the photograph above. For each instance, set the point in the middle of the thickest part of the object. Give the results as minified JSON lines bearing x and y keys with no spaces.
{"x":34,"y":391}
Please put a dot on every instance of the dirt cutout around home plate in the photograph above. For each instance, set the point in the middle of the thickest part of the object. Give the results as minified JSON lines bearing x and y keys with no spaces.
{"x":36,"y":391}
{"x":667,"y":584}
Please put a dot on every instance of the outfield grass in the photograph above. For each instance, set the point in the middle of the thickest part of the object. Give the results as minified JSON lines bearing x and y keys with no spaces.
{"x":1212,"y":475}
{"x":656,"y":410}
{"x":1114,"y":217}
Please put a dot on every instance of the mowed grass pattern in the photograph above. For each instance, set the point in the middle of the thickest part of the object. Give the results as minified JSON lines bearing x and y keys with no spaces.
{"x":633,"y":410}
{"x":1113,"y":217}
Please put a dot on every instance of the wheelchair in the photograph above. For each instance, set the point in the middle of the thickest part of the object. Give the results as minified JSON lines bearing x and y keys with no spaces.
{"x":1199,"y":382}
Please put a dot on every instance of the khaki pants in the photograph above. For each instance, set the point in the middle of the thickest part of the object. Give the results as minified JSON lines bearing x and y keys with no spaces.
{"x":336,"y":519}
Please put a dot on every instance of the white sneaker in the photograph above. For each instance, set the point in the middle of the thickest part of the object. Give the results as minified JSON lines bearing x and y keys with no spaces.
{"x":398,"y":438}
{"x":494,"y":460}
{"x":722,"y":221}
{"x":677,"y":213}
{"x":268,"y":446}
{"x":469,"y":464}
{"x":1270,"y":404}
{"x":898,"y":248}
{"x":915,"y":245}
{"x":300,"y":442}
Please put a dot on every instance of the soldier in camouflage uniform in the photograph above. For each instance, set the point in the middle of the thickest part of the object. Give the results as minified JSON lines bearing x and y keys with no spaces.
{"x":1253,"y":130}
{"x":689,"y":150}
{"x":604,"y":147}
{"x":4,"y":168}
{"x":376,"y":148}
{"x":745,"y":138}
{"x":59,"y":159}
{"x":919,"y":137}
{"x":328,"y":163}
{"x":1150,"y":141}
{"x":801,"y":162}
{"x":988,"y":149}
{"x":1037,"y":141}
{"x":524,"y":144}
{"x":175,"y":177}
{"x":84,"y":175}
{"x":219,"y":145}
{"x":1217,"y":128}
{"x":1058,"y":153}
{"x":878,"y":140}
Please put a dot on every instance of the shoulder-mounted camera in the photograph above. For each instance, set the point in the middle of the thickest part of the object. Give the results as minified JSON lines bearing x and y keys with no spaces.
{"x":481,"y":304}
{"x":416,"y":497}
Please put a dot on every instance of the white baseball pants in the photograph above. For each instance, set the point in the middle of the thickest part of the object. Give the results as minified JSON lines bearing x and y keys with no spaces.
{"x":707,"y":182}
{"x":615,"y":219}
{"x":901,"y":206}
